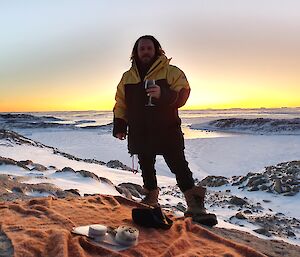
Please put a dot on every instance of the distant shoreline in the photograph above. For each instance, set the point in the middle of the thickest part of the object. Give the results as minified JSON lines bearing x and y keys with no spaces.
{"x":182,"y":110}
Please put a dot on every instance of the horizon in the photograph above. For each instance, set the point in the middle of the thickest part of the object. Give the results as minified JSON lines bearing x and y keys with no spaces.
{"x":235,"y":54}
{"x":206,"y":109}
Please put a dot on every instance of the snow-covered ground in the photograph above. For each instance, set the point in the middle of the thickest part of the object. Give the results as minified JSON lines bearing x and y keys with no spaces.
{"x":208,"y":153}
{"x":224,"y":155}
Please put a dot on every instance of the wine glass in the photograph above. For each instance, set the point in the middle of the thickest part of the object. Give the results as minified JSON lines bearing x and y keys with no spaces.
{"x":148,"y":84}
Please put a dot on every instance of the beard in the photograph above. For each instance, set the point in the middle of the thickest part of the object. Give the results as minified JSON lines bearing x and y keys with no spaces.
{"x":146,"y":62}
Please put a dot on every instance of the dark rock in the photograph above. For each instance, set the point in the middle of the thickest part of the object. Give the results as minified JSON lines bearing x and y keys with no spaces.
{"x":124,"y":191}
{"x":180,"y":207}
{"x":254,"y":188}
{"x":240,"y":181}
{"x":278,"y":186}
{"x":18,"y":139}
{"x":106,"y":180}
{"x":290,"y":194}
{"x":253,"y":179}
{"x":134,"y":189}
{"x":240,"y":215}
{"x":88,"y":174}
{"x":38,"y":167}
{"x":67,"y":169}
{"x":27,"y":162}
{"x":238,"y":201}
{"x":263,"y":231}
{"x":73,"y":191}
{"x":291,"y":234}
{"x":83,"y":173}
{"x":266,"y":201}
{"x":263,"y":187}
{"x":116,"y":164}
{"x":17,"y":190}
{"x":9,"y":161}
{"x":213,"y":181}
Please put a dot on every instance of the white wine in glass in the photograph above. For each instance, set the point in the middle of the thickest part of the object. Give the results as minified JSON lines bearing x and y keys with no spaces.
{"x":148,"y":84}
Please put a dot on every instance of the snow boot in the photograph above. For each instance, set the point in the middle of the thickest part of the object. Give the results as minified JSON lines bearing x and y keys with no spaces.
{"x":151,"y":197}
{"x":195,"y":203}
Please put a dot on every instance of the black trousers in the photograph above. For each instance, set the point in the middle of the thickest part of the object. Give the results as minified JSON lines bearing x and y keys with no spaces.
{"x":176,"y":162}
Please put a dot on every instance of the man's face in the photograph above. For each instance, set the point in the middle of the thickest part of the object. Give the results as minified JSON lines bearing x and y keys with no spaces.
{"x":145,"y":50}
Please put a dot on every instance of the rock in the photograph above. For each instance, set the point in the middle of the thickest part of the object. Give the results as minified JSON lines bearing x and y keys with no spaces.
{"x":291,"y":234}
{"x":116,"y":164}
{"x":88,"y":174}
{"x":278,"y":186}
{"x":16,"y":138}
{"x":240,"y":215}
{"x":124,"y":191}
{"x":241,"y":180}
{"x":9,"y":161}
{"x":38,"y":167}
{"x":263,"y":187}
{"x":67,"y":169}
{"x":255,"y":180}
{"x":180,"y":207}
{"x":266,"y":201}
{"x":263,"y":231}
{"x":134,"y":189}
{"x":260,"y":181}
{"x":238,"y":201}
{"x":253,"y":188}
{"x":83,"y":173}
{"x":213,"y":181}
{"x":27,"y":162}
{"x":247,"y":212}
{"x":17,"y":190}
{"x":289,"y":194}
{"x":73,"y":191}
{"x":106,"y":180}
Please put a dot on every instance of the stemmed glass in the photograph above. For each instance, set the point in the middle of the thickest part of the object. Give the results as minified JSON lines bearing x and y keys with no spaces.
{"x":148,"y":84}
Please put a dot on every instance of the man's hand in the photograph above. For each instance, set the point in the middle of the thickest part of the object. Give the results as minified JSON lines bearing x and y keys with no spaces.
{"x":154,"y":91}
{"x":121,"y":136}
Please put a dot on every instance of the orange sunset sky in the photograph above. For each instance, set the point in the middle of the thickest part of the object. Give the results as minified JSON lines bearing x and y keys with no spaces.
{"x":70,"y":55}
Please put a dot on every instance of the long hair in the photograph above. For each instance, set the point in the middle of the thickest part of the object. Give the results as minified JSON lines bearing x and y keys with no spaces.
{"x":157,"y":47}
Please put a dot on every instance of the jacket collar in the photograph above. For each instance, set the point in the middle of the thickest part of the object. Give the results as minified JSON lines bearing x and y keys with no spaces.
{"x":157,"y":65}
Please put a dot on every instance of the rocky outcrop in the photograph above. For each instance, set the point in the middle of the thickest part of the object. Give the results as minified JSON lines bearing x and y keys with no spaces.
{"x":8,"y":161}
{"x":213,"y":181}
{"x":283,"y":178}
{"x":84,"y":173}
{"x":12,"y":188}
{"x":134,"y":189}
{"x":13,"y":121}
{"x":115,"y":164}
{"x":277,"y":224}
{"x":238,"y":201}
{"x":257,"y":125}
{"x":15,"y":138}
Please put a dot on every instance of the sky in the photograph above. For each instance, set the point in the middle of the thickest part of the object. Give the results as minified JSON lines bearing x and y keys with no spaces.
{"x":70,"y":54}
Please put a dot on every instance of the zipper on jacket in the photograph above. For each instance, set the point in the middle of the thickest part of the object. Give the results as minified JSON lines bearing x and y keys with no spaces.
{"x":152,"y":69}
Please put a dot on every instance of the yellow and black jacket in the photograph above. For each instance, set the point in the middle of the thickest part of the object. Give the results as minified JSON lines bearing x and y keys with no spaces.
{"x":154,"y":129}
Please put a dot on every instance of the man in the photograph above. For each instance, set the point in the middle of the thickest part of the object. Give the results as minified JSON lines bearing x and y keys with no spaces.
{"x":155,"y":130}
